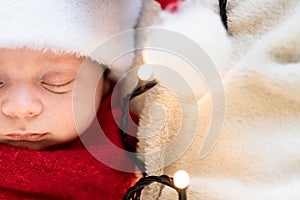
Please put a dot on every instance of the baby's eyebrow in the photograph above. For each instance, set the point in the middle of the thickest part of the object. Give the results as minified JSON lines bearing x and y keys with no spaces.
{"x":55,"y":72}
{"x":60,"y":64}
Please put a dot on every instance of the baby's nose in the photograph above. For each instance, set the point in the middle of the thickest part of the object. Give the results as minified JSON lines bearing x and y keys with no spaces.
{"x":21,"y":102}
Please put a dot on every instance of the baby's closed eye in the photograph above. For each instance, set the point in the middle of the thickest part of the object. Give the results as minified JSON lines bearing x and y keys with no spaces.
{"x":58,"y":82}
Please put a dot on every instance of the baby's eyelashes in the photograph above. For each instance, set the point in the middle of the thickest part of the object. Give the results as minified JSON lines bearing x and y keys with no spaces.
{"x":2,"y":82}
{"x":58,"y":87}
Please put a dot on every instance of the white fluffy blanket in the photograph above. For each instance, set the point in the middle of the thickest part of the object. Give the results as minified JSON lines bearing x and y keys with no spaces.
{"x":257,"y":155}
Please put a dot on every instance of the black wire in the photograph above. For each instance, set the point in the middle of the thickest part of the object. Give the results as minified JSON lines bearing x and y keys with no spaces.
{"x":134,"y":192}
{"x":223,"y":12}
{"x":138,"y":90}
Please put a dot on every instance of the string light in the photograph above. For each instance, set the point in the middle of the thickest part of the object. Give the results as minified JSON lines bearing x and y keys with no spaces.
{"x":145,"y":73}
{"x":134,"y":193}
{"x":181,"y":181}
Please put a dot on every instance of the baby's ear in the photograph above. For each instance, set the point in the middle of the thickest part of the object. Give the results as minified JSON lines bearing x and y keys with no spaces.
{"x":202,"y":26}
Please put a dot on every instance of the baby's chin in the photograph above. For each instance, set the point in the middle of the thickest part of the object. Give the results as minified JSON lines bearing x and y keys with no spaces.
{"x":39,"y":145}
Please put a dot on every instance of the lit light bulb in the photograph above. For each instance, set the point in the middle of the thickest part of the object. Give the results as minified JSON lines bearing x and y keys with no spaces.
{"x":145,"y":73}
{"x":181,"y":179}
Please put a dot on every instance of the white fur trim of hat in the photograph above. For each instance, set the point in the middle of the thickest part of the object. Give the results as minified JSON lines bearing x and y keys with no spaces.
{"x":71,"y":26}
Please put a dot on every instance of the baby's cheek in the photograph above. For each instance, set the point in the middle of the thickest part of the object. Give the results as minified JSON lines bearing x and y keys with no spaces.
{"x":60,"y":108}
{"x":61,"y":104}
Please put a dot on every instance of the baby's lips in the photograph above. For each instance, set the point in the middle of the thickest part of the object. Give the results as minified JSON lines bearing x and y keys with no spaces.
{"x":32,"y":137}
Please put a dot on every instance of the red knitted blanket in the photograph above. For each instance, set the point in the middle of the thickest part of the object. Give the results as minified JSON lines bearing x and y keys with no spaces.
{"x":67,"y":173}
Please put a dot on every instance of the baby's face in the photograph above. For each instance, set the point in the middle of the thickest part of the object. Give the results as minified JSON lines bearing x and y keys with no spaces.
{"x":36,"y":94}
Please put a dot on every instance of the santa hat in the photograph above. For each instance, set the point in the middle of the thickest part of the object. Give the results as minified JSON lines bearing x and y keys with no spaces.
{"x":70,"y":26}
{"x":80,"y":26}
